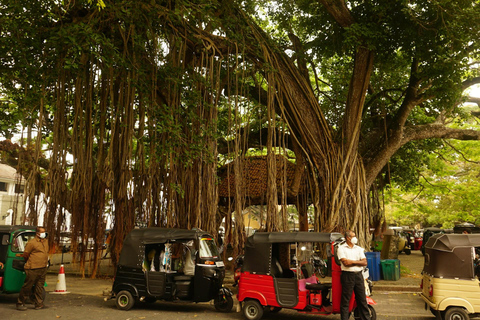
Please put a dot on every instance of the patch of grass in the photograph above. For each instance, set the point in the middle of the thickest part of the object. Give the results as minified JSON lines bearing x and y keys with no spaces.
{"x":405,"y":271}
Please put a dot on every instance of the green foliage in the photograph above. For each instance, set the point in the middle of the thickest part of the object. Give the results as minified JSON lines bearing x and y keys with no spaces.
{"x":446,"y":192}
{"x":45,"y":45}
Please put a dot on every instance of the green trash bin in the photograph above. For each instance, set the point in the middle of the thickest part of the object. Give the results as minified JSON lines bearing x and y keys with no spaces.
{"x":390,"y":269}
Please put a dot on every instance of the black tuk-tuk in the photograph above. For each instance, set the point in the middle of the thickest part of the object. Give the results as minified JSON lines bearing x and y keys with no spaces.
{"x":450,"y":283}
{"x":409,"y":235}
{"x":170,"y":264}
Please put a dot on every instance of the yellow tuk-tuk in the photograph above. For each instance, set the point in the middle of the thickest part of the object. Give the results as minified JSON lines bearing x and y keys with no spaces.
{"x":450,"y":283}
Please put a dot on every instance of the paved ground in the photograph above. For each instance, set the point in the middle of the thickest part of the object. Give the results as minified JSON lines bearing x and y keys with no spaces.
{"x":396,"y":300}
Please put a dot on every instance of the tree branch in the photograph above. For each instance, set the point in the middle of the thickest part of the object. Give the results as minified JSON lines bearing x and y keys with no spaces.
{"x":339,"y":11}
{"x":470,"y":82}
{"x":430,"y":131}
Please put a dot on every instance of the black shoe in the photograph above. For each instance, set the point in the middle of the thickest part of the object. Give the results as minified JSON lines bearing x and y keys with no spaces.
{"x":21,"y":307}
{"x":39,"y":307}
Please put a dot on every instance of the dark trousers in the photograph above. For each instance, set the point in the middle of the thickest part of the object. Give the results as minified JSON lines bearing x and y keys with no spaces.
{"x":353,"y":282}
{"x":34,"y":277}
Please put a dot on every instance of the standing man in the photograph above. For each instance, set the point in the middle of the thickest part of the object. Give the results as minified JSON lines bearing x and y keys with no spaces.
{"x":353,"y":261}
{"x":36,"y":260}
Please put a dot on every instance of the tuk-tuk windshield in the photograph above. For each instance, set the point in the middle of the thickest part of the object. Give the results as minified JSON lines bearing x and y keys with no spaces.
{"x":208,"y":248}
{"x":20,"y":241}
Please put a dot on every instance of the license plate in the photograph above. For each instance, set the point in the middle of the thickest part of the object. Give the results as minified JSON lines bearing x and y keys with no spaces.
{"x":219,"y":263}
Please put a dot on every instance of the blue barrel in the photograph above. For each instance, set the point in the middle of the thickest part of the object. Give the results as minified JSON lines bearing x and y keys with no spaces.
{"x":373,"y":261}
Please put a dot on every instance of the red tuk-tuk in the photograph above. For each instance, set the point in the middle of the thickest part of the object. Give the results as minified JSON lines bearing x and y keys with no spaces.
{"x":267,"y":282}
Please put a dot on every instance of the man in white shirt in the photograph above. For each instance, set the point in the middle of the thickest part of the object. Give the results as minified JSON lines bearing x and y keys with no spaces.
{"x":353,"y":261}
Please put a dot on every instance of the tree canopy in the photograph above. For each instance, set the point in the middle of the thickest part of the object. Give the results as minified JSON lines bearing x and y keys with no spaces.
{"x":446,"y":189}
{"x":150,"y":97}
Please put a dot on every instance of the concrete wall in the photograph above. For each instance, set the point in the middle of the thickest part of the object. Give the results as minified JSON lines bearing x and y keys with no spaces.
{"x":6,"y":209}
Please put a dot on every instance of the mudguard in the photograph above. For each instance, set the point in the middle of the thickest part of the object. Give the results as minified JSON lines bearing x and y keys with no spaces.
{"x":251,"y":294}
{"x":457,"y":302}
{"x":371,"y":301}
{"x":125,"y":286}
{"x":225,"y":291}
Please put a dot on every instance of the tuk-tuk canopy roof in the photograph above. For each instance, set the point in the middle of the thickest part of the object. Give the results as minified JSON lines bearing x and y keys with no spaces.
{"x":135,"y":241}
{"x":448,"y":242}
{"x":258,"y":248}
{"x":292,"y":237}
{"x":162,"y":235}
{"x":451,"y":255}
{"x":9,"y":229}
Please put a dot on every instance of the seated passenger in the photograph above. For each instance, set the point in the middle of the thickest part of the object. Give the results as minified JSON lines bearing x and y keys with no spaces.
{"x":177,"y":257}
{"x":151,"y":258}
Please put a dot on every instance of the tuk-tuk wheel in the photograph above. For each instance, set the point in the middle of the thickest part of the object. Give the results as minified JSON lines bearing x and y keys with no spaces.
{"x":456,"y":314}
{"x":223,"y":303}
{"x":373,"y":313}
{"x":252,"y":310}
{"x":124,"y":300}
{"x":407,"y":251}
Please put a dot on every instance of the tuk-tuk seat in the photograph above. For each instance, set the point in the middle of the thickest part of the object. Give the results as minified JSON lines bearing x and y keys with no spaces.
{"x":307,"y":270}
{"x":318,"y":286}
{"x":183,"y":278}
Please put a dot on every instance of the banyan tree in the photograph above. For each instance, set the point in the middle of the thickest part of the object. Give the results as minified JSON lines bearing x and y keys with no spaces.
{"x":136,"y":104}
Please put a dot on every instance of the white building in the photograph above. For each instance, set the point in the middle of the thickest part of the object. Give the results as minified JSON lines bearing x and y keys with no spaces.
{"x":11,"y":191}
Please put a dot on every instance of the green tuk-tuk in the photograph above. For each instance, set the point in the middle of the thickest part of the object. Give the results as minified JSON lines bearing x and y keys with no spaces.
{"x":13,"y":240}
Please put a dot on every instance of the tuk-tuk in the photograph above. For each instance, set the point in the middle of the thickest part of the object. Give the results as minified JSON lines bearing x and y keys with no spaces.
{"x":450,"y":283}
{"x":170,"y":264}
{"x":409,"y":235}
{"x":13,"y":240}
{"x":418,"y":239}
{"x":267,"y":282}
{"x":466,"y":228}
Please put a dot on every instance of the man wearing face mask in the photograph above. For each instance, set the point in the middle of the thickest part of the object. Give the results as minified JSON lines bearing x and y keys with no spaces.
{"x":353,"y":261}
{"x":36,"y":260}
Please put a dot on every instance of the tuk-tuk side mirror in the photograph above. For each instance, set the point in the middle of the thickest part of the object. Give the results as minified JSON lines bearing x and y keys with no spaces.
{"x":5,"y":240}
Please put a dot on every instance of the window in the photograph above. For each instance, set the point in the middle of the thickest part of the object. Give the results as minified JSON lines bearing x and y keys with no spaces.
{"x":19,"y":188}
{"x":3,"y":186}
{"x":208,"y":248}
{"x":21,"y":240}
